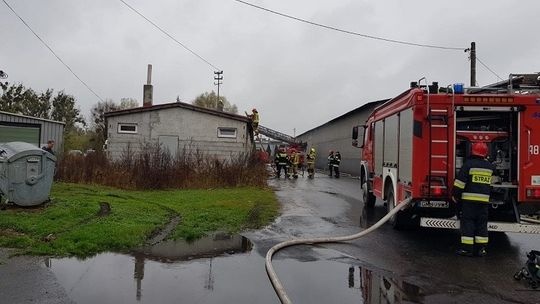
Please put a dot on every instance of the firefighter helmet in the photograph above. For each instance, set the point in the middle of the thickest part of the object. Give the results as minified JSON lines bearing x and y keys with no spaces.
{"x":479,"y":149}
{"x":312,"y":150}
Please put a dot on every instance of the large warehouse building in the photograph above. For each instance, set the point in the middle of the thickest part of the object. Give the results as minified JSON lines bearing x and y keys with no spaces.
{"x":336,"y":135}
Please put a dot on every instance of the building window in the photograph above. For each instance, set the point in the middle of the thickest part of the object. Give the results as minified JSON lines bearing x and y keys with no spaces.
{"x":227,"y":132}
{"x":127,"y":128}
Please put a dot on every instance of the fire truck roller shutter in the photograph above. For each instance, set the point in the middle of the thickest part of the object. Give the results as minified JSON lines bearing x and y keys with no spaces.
{"x":391,"y":142}
{"x":390,"y":154}
{"x":379,"y":146}
{"x":405,"y":146}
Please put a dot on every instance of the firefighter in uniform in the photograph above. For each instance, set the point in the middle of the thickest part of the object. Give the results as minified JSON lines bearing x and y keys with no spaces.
{"x":330,"y":162}
{"x":255,"y":121}
{"x":311,"y":163}
{"x":336,"y":163}
{"x":471,"y":192}
{"x":281,"y":162}
{"x":295,"y":160}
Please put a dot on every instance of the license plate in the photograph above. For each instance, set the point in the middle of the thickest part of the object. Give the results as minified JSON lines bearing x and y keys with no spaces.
{"x":434,"y":204}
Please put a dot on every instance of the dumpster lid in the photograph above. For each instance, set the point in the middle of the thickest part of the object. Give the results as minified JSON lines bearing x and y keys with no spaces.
{"x":11,"y":151}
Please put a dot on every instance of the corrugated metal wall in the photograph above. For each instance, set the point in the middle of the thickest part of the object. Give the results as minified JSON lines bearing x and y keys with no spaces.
{"x":337,"y":135}
{"x":49,"y":129}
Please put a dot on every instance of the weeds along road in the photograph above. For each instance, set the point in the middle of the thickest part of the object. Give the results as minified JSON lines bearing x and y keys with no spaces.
{"x":386,"y":266}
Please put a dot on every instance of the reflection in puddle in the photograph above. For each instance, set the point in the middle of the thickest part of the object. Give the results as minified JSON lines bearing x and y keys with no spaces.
{"x":103,"y":278}
{"x":377,"y":288}
{"x":207,"y":271}
{"x":211,"y":246}
{"x":180,"y":250}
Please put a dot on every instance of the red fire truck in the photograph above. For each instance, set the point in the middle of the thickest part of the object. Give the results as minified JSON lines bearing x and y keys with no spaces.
{"x":414,"y":145}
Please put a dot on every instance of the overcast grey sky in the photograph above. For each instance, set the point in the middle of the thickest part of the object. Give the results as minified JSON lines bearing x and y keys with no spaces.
{"x":297,"y":75}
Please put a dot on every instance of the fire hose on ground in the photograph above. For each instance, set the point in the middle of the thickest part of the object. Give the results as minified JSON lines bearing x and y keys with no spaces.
{"x":278,"y":287}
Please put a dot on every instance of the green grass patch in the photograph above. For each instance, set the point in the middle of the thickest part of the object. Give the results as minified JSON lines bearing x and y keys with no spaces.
{"x":69,"y":225}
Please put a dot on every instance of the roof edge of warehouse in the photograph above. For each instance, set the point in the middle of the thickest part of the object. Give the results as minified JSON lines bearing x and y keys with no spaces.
{"x":346,"y":114}
{"x":32,"y":117}
{"x":179,"y":105}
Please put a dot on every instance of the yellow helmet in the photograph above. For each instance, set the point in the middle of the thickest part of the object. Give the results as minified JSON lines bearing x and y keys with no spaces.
{"x":312,"y":150}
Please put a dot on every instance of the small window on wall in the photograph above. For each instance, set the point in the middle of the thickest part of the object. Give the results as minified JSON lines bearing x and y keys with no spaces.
{"x":127,"y":128}
{"x":227,"y":132}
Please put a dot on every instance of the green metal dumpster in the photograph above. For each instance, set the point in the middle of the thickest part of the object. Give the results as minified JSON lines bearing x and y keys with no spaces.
{"x":26,"y":173}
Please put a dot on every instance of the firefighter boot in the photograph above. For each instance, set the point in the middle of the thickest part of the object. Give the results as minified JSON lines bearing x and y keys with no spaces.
{"x":482,"y":252}
{"x":464,"y":252}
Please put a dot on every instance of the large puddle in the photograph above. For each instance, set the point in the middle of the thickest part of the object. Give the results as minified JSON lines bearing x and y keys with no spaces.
{"x":220,"y":269}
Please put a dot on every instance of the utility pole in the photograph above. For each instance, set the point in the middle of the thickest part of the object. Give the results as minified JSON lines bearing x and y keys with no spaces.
{"x":473,"y":64}
{"x":218,"y":81}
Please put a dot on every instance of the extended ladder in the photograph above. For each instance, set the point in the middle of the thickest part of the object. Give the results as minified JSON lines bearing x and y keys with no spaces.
{"x":282,"y":137}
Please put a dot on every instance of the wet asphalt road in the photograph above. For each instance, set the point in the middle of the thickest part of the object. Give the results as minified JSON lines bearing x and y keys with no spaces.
{"x":423,"y":259}
{"x":387,"y":266}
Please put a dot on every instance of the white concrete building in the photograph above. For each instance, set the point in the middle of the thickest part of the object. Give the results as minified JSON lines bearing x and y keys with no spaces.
{"x":177,"y":126}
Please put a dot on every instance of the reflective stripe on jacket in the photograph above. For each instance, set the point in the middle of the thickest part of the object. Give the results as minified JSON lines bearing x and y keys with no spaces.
{"x":337,"y":160}
{"x":281,"y":158}
{"x":295,"y":158}
{"x":330,"y":159}
{"x":311,"y":157}
{"x":473,"y":182}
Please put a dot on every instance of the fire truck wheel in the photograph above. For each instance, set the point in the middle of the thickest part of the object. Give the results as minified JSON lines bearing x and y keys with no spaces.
{"x":395,"y":220}
{"x":367,"y":197}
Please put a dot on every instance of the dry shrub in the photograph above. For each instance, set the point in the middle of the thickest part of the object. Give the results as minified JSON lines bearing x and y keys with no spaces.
{"x":154,"y":168}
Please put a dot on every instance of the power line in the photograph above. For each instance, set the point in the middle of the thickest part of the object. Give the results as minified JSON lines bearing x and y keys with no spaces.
{"x":52,"y":51}
{"x":351,"y":32}
{"x":168,"y":35}
{"x":478,"y":59}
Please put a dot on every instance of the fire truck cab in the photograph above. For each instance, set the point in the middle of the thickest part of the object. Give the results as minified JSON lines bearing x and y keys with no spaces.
{"x":414,"y":145}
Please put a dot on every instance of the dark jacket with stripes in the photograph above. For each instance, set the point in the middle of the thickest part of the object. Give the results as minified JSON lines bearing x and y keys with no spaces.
{"x":473,"y":182}
{"x":281,"y":158}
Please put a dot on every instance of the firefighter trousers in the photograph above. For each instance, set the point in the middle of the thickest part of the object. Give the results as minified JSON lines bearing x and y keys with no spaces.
{"x":256,"y":128}
{"x":293,"y":170}
{"x":474,"y":230}
{"x":279,"y":167}
{"x":311,"y":169}
{"x":336,"y":171}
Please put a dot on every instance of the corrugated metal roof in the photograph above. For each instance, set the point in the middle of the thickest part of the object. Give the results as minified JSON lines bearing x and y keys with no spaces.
{"x":178,"y":105}
{"x":352,"y":112}
{"x":33,"y":118}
